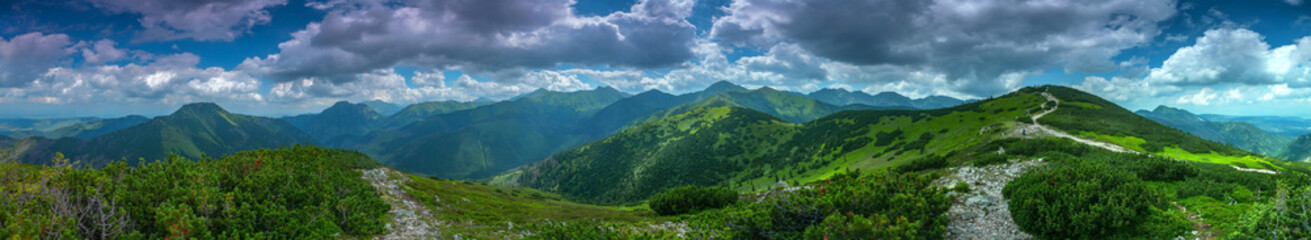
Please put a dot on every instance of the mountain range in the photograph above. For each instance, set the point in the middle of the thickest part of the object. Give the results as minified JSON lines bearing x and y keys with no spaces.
{"x":194,"y":130}
{"x":1239,"y":134}
{"x":842,"y":97}
{"x":748,"y":149}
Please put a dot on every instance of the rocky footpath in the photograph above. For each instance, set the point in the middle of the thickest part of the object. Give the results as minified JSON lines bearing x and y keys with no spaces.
{"x":983,"y":213}
{"x":409,"y":218}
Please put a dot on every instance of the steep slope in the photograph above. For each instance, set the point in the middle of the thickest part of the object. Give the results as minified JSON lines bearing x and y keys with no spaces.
{"x":383,"y":108}
{"x":619,"y":115}
{"x":784,"y":105}
{"x":97,"y":128}
{"x":419,"y":111}
{"x":1248,"y":137}
{"x":1184,"y":120}
{"x":748,"y":149}
{"x":1298,"y":150}
{"x":193,"y":130}
{"x":341,"y":119}
{"x":482,"y":141}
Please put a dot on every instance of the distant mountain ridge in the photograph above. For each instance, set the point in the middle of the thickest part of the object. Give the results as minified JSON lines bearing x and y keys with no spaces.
{"x":97,"y":128}
{"x":1239,"y":134}
{"x":193,"y":130}
{"x":341,"y":119}
{"x":842,"y":97}
{"x":1282,"y":125}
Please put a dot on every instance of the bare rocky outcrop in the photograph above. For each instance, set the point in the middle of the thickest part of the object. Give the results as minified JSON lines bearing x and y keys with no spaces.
{"x":983,"y":213}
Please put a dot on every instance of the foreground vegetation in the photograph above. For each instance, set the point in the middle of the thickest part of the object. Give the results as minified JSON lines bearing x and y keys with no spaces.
{"x":290,"y":193}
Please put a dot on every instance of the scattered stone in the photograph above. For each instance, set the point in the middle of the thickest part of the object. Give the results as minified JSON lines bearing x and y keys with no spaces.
{"x":409,"y":219}
{"x":983,"y":213}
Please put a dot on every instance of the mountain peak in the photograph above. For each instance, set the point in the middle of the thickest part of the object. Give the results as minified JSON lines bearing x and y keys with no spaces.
{"x":344,"y":107}
{"x":724,"y":86}
{"x":890,"y":94}
{"x":831,"y":90}
{"x":201,"y":107}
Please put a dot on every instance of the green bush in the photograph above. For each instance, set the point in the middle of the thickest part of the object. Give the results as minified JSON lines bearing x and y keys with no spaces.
{"x":289,"y":193}
{"x":903,"y":205}
{"x":927,"y":163}
{"x":1204,"y":187}
{"x":1283,"y":216}
{"x":1078,"y":200}
{"x":688,"y":199}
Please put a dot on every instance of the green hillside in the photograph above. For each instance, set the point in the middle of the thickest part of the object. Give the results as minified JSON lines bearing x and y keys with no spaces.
{"x":341,"y":119}
{"x":419,"y":111}
{"x":789,"y":107}
{"x":383,"y":108}
{"x":1297,"y":150}
{"x":97,"y":128}
{"x":483,"y":141}
{"x":746,"y":149}
{"x":621,"y":114}
{"x":1239,"y":134}
{"x":194,"y":130}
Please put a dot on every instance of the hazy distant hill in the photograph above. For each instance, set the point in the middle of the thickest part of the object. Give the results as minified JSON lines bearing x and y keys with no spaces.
{"x":1287,"y":126}
{"x":383,"y":108}
{"x":419,"y":111}
{"x":488,"y":139}
{"x":842,"y":97}
{"x":97,"y":128}
{"x":342,"y":119}
{"x":24,"y":127}
{"x":1240,"y":134}
{"x":194,"y":129}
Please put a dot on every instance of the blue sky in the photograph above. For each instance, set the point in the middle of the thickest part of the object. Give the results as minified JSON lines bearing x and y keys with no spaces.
{"x":281,"y":57}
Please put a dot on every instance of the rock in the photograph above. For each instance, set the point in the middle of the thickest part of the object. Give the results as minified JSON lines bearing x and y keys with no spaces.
{"x":983,"y":214}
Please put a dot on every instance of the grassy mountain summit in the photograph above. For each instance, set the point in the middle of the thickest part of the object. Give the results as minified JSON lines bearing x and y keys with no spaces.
{"x":745,"y":149}
{"x":193,"y":130}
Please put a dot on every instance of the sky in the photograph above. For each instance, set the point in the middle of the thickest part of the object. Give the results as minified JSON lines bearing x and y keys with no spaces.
{"x":111,"y":58}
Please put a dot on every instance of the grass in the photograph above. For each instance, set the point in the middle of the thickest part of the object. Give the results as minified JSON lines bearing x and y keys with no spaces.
{"x":1250,"y":161}
{"x":480,"y":211}
{"x":1130,"y":142}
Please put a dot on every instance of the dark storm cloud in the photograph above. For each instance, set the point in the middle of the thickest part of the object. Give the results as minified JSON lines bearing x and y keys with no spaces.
{"x":966,"y":40}
{"x":202,"y":20}
{"x":480,"y":35}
